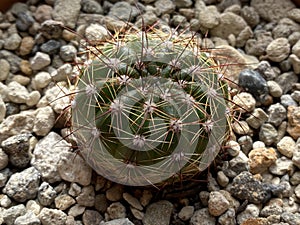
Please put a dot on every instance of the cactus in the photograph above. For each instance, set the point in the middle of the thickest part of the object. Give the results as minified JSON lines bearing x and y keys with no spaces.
{"x":150,"y":107}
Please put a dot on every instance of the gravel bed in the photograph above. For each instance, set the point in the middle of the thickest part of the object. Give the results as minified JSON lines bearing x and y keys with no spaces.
{"x":43,"y":181}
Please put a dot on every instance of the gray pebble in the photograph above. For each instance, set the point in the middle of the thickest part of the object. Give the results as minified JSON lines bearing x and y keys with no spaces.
{"x":236,"y":165}
{"x":268,"y":134}
{"x":2,"y":109}
{"x":13,"y":60}
{"x":222,"y":179}
{"x":295,"y":178}
{"x":41,"y":80}
{"x":52,"y":216}
{"x":46,"y":156}
{"x":158,"y":213}
{"x":64,"y":201}
{"x":285,"y":28}
{"x":286,"y":81}
{"x":251,"y":211}
{"x":23,"y":185}
{"x":186,"y":212}
{"x":296,"y":96}
{"x":67,"y":11}
{"x":117,"y":211}
{"x":91,"y":6}
{"x":5,"y":67}
{"x":287,"y":100}
{"x":74,"y":169}
{"x":286,"y":146}
{"x":257,"y":118}
{"x":282,"y":166}
{"x":86,"y":197}
{"x":46,"y":194}
{"x":29,"y":218}
{"x":278,"y":49}
{"x":96,"y":33}
{"x":51,"y":29}
{"x":123,"y":11}
{"x":291,"y":218}
{"x":40,"y":61}
{"x":12,"y":213}
{"x":164,"y":6}
{"x":274,"y":89}
{"x":5,"y":201}
{"x":12,"y":42}
{"x":17,"y":93}
{"x":91,"y":217}
{"x":68,"y":53}
{"x":250,"y":15}
{"x":277,"y":113}
{"x":24,"y":20}
{"x":4,"y":175}
{"x":246,"y":143}
{"x":76,"y":210}
{"x":209,"y":17}
{"x":134,"y":202}
{"x":50,"y":47}
{"x":44,"y":121}
{"x":3,"y":159}
{"x":202,"y":217}
{"x":228,"y":218}
{"x":17,"y":147}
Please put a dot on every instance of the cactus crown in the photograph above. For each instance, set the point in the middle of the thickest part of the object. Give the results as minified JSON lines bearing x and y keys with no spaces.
{"x":150,"y":106}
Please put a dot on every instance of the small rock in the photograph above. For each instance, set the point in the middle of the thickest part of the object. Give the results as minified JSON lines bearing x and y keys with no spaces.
{"x":277,"y":113}
{"x":286,"y":146}
{"x":241,"y":127}
{"x":41,"y":80}
{"x":233,"y":148}
{"x":115,"y":193}
{"x":250,"y":15}
{"x":294,"y":14}
{"x":293,"y":121}
{"x":217,"y":203}
{"x":287,"y":100}
{"x":86,"y":197}
{"x":286,"y":81}
{"x":269,"y":210}
{"x":68,"y":53}
{"x":74,"y":190}
{"x":253,"y":82}
{"x":284,"y":28}
{"x":234,"y":24}
{"x":124,"y":11}
{"x":91,"y":217}
{"x":12,"y":42}
{"x":246,"y":143}
{"x":146,"y":197}
{"x":96,"y":33}
{"x":268,"y":134}
{"x":202,"y":216}
{"x":67,"y":11}
{"x":46,"y":156}
{"x":51,"y":29}
{"x":246,"y":187}
{"x":2,"y":109}
{"x":101,"y":203}
{"x":64,"y":201}
{"x":17,"y":93}
{"x":236,"y":165}
{"x":33,"y":98}
{"x":183,"y":3}
{"x":44,"y":121}
{"x":24,"y":185}
{"x":274,"y":89}
{"x":43,"y":12}
{"x":117,"y":211}
{"x":18,"y":148}
{"x":164,"y":6}
{"x":228,"y":218}
{"x":296,"y":156}
{"x":290,"y":218}
{"x":12,"y":213}
{"x":76,"y":210}
{"x":251,"y":211}
{"x":52,"y":216}
{"x":278,"y":49}
{"x":260,"y":159}
{"x":209,"y":17}
{"x":91,"y":6}
{"x":158,"y":213}
{"x":24,"y":21}
{"x":3,"y":160}
{"x":222,"y":179}
{"x":272,"y":10}
{"x":5,"y":67}
{"x":257,"y":118}
{"x":132,"y":201}
{"x":46,"y":194}
{"x":186,"y":213}
{"x":40,"y":61}
{"x":295,"y":178}
{"x":13,"y":60}
{"x":27,"y":219}
{"x":73,"y":168}
{"x":50,"y":47}
{"x":244,"y":102}
{"x":282,"y":166}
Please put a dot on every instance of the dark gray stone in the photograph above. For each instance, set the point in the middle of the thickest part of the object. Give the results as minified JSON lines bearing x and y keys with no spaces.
{"x":253,"y":83}
{"x":50,"y":47}
{"x":24,"y":21}
{"x":91,"y":6}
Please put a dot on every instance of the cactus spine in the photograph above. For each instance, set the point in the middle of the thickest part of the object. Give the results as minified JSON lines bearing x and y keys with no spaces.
{"x":150,"y":107}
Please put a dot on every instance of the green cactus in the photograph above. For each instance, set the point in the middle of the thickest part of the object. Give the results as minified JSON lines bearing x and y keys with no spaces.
{"x":150,"y":107}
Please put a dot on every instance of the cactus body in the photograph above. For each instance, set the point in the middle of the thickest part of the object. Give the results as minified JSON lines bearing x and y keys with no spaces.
{"x":150,"y":107}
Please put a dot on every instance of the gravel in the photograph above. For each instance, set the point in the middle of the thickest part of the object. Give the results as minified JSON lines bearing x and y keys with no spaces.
{"x":255,"y":181}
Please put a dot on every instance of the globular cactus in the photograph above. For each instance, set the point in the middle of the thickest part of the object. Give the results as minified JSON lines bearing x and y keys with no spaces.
{"x":150,"y":107}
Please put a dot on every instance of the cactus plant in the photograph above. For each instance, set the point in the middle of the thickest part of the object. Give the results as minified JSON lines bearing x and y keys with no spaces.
{"x":150,"y":107}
